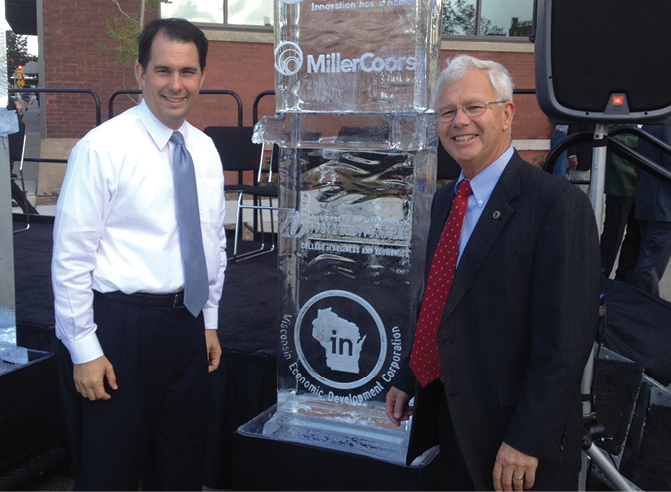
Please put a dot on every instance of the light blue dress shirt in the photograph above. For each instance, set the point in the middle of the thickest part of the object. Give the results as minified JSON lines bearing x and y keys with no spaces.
{"x":482,"y":185}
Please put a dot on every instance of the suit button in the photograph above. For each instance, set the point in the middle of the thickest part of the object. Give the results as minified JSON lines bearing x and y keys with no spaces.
{"x":561,"y":447}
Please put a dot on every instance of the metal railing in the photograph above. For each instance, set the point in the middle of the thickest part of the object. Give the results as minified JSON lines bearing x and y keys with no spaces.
{"x":64,"y":91}
{"x":98,"y":112}
{"x":261,"y":95}
{"x":255,"y":108}
{"x":31,"y":90}
{"x":110,"y":104}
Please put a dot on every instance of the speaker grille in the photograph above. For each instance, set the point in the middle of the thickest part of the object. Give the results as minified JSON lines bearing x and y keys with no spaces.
{"x":604,"y":46}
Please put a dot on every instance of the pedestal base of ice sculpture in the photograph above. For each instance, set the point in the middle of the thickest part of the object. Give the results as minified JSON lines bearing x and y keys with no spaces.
{"x":359,"y":429}
{"x":11,"y":357}
{"x":280,"y":450}
{"x":29,"y":415}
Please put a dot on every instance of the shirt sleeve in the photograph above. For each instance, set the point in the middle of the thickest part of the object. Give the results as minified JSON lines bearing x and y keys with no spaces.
{"x":211,"y":309}
{"x":77,"y":231}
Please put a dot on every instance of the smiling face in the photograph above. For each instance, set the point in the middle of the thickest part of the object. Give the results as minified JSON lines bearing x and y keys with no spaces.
{"x":172,"y":81}
{"x":475,"y":142}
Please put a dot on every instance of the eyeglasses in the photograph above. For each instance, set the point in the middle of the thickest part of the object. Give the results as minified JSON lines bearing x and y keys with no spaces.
{"x":472,"y":110}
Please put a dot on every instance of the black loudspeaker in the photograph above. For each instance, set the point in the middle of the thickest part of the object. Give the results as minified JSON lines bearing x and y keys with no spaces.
{"x":603,"y":61}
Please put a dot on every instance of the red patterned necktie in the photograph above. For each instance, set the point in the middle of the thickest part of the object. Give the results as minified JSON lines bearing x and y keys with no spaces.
{"x":425,"y":356}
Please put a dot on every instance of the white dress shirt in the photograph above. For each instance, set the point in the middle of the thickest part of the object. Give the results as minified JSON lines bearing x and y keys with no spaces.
{"x":116,"y":228}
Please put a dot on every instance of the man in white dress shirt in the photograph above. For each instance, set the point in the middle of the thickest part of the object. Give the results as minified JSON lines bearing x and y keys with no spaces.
{"x":141,"y":360}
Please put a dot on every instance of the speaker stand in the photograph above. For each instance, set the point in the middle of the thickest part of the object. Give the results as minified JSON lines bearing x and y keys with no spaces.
{"x":598,"y":174}
{"x":591,"y":453}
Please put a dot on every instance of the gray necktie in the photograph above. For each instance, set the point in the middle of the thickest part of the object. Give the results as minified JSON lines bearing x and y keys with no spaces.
{"x":196,"y":285}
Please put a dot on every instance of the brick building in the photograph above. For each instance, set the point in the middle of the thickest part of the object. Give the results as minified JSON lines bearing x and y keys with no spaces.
{"x":240,"y":60}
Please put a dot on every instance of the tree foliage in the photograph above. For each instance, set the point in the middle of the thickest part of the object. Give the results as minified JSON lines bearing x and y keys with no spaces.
{"x":17,"y":51}
{"x":124,"y":30}
{"x":459,"y":17}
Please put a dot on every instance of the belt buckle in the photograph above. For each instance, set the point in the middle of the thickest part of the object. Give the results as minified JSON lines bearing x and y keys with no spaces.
{"x":178,"y":301}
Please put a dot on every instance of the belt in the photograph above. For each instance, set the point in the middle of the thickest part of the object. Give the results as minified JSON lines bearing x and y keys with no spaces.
{"x":175,"y":300}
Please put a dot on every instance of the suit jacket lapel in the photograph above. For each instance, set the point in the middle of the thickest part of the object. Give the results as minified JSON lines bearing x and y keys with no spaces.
{"x":492,"y":222}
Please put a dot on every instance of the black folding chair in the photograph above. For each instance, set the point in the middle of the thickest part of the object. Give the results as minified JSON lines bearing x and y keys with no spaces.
{"x":237,"y":153}
{"x":258,"y":193}
{"x":17,"y":147}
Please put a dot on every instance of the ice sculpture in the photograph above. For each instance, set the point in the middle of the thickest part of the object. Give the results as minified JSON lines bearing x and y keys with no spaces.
{"x":356,"y":132}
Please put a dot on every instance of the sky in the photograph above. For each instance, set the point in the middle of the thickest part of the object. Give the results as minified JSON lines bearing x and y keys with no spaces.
{"x":32,"y":45}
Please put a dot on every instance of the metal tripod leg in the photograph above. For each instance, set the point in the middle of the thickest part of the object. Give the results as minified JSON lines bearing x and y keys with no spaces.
{"x":610,"y":473}
{"x":598,"y":456}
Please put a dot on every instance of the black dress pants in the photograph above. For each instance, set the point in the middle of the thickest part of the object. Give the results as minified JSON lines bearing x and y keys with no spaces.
{"x":153,"y":428}
{"x":620,"y":212}
{"x":455,"y":475}
{"x":655,"y":255}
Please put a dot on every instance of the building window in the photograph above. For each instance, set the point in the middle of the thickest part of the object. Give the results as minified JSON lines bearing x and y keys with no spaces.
{"x":226,"y":12}
{"x":487,"y":17}
{"x":460,"y":17}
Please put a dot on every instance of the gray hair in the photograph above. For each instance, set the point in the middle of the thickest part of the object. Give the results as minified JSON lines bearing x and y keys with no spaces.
{"x":459,"y":65}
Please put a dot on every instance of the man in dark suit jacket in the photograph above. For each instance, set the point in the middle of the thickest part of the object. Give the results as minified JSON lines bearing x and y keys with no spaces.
{"x":653,"y":210}
{"x":521,"y":314}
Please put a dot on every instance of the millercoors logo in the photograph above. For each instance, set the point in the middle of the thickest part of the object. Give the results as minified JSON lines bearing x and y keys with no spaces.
{"x":334,"y":63}
{"x":289,"y":60}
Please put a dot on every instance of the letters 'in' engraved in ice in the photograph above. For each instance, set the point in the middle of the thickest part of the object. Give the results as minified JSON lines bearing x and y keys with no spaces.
{"x":340,"y":340}
{"x":357,"y":138}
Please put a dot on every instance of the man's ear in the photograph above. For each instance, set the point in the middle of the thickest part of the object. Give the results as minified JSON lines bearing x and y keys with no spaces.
{"x":508,"y":113}
{"x":202,"y":79}
{"x":139,"y":73}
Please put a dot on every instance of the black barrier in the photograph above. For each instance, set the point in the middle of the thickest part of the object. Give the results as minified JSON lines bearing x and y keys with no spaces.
{"x":110,"y":104}
{"x":564,"y":144}
{"x":619,"y":148}
{"x":632,"y":155}
{"x":524,"y":91}
{"x":110,"y":107}
{"x":59,"y":91}
{"x":64,"y":91}
{"x":261,"y":95}
{"x":255,"y":108}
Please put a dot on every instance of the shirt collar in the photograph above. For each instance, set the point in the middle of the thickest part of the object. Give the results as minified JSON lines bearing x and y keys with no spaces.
{"x":159,"y":133}
{"x":484,"y":182}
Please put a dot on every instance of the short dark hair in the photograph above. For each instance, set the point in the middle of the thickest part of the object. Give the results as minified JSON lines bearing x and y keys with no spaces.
{"x":173,"y":29}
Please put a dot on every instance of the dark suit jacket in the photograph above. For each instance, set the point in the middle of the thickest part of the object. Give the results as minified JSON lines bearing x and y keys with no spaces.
{"x":518,"y":324}
{"x":653,"y":197}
